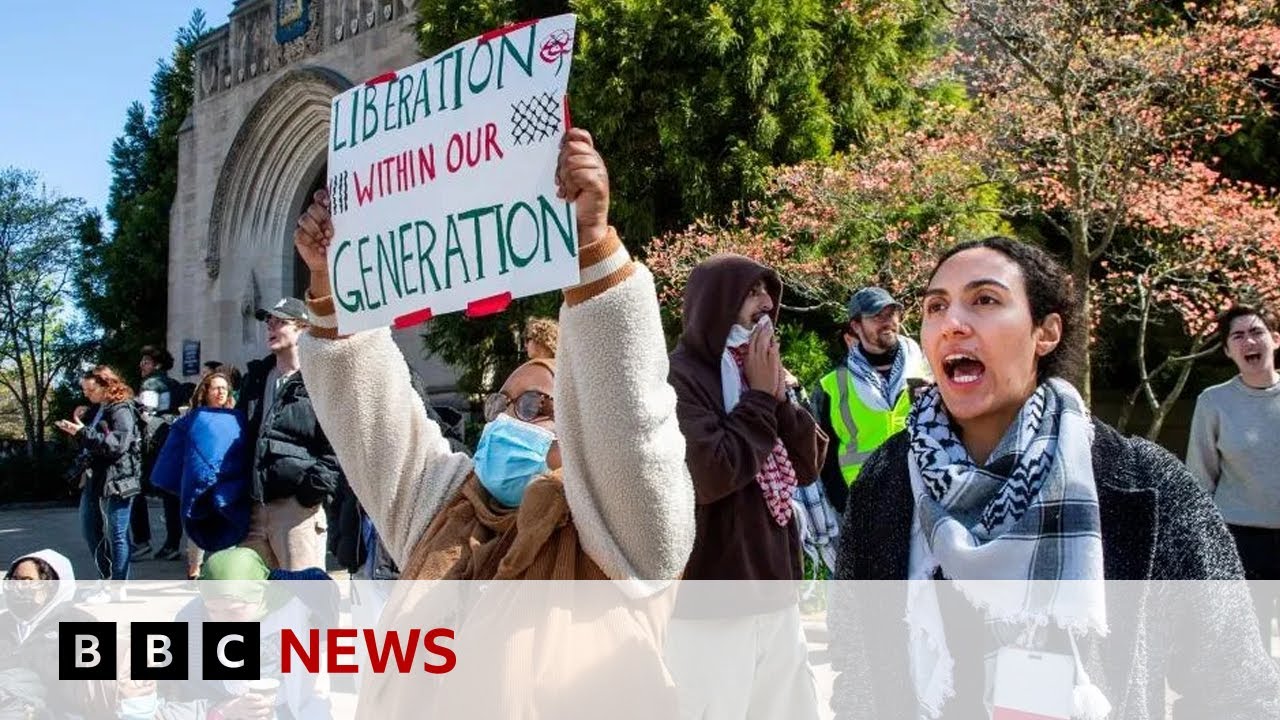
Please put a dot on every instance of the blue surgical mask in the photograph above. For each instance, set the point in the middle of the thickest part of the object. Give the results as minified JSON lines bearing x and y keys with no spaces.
{"x":511,"y":453}
{"x":138,"y":708}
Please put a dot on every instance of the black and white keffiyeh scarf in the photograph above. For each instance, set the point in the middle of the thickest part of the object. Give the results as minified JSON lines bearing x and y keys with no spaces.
{"x":877,"y":391}
{"x":1029,"y":514}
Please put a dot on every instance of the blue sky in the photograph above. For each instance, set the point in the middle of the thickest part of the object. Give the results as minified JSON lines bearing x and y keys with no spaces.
{"x":70,"y":71}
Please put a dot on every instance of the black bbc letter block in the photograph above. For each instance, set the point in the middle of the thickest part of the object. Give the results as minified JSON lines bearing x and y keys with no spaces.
{"x":231,"y":651}
{"x":86,"y":651}
{"x":158,"y":651}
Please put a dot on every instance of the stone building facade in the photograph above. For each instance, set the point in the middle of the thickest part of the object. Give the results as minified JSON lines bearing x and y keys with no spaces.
{"x":251,"y":154}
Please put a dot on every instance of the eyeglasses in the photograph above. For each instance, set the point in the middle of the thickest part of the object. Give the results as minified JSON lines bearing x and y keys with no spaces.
{"x":529,"y":405}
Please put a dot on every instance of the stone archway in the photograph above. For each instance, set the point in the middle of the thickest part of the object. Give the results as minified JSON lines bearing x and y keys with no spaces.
{"x":274,"y":153}
{"x":270,"y":168}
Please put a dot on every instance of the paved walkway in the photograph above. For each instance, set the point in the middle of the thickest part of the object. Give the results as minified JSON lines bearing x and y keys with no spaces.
{"x":58,"y":528}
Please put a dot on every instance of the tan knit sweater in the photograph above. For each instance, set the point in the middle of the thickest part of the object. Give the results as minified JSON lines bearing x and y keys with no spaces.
{"x":624,"y":475}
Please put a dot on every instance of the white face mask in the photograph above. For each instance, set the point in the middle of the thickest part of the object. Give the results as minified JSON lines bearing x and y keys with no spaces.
{"x":739,"y":335}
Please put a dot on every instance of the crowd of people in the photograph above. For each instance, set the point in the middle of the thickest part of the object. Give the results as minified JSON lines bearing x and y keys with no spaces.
{"x":961,"y":456}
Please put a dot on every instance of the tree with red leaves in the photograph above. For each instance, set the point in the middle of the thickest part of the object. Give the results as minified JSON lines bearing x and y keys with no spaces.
{"x":1092,"y":105}
{"x":1199,"y":243}
{"x":877,"y":216}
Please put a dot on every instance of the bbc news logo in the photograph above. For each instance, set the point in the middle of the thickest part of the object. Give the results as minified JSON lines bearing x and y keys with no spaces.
{"x":158,"y":651}
{"x":231,"y":651}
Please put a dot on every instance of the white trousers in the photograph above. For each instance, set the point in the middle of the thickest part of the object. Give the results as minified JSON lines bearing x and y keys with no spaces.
{"x":754,"y":667}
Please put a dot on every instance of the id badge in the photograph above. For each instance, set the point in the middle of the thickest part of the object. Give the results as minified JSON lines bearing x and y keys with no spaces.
{"x":1031,"y":685}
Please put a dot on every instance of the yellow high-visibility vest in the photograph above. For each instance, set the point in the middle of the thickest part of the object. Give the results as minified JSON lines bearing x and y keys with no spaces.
{"x":859,"y":428}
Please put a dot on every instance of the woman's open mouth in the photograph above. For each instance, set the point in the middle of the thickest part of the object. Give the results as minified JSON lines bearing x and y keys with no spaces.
{"x":963,"y":368}
{"x":1253,"y":357}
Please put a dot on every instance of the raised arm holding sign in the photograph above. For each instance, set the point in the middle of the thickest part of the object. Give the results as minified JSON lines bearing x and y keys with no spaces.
{"x":580,"y":178}
{"x":599,"y":421}
{"x":441,"y":186}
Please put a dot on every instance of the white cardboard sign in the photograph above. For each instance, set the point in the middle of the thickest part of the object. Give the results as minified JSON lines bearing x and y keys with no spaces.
{"x":442,"y":180}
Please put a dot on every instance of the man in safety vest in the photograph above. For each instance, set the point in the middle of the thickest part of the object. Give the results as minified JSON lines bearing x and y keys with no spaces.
{"x":864,"y":401}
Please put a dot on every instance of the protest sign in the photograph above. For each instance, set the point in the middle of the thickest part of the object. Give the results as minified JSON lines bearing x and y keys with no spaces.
{"x":442,"y":180}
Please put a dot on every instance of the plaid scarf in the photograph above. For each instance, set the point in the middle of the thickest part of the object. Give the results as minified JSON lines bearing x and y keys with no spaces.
{"x":819,"y":524}
{"x":1029,"y":514}
{"x":777,"y":477}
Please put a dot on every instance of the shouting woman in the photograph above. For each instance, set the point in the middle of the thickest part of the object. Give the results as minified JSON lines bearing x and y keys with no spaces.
{"x":1002,"y":475}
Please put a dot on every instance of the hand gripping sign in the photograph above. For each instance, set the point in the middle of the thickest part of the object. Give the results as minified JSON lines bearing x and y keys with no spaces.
{"x":442,"y":180}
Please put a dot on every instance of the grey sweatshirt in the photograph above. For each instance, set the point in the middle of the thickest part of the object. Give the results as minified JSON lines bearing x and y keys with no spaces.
{"x":1234,"y":451}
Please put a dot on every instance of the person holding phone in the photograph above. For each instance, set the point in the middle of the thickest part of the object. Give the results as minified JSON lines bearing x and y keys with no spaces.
{"x":111,"y":456}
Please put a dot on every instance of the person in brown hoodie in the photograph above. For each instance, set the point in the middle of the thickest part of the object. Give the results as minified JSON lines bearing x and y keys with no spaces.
{"x":748,"y":447}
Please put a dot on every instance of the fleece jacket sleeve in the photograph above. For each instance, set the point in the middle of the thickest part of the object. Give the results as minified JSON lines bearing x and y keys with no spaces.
{"x":624,"y":457}
{"x":397,"y":461}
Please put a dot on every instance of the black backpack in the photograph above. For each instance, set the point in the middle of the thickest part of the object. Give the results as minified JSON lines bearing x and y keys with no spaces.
{"x":153,"y":430}
{"x":179,"y":393}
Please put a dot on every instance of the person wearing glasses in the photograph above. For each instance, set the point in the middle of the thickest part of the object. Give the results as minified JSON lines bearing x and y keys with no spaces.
{"x":38,"y":593}
{"x":588,"y":445}
{"x":579,"y":472}
{"x":294,"y":471}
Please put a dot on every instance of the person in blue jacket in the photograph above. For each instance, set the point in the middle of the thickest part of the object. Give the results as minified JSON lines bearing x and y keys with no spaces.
{"x":203,"y":464}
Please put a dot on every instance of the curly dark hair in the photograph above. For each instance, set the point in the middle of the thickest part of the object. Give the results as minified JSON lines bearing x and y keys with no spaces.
{"x":161,"y":357}
{"x":44,"y":570}
{"x":1050,"y":289}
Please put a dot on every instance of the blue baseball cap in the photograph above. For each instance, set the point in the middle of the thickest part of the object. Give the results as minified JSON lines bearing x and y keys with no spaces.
{"x":869,"y":301}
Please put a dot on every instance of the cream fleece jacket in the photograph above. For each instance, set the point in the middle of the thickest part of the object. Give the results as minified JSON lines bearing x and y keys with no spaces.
{"x":624,"y":472}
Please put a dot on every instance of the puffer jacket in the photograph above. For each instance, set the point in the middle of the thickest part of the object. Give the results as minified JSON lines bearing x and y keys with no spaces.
{"x":288,"y":451}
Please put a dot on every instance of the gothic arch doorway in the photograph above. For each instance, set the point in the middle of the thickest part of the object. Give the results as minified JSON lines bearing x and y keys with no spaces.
{"x":274,"y":164}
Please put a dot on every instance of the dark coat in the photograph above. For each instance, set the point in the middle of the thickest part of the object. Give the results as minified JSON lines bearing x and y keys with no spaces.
{"x":1157,"y":524}
{"x":346,"y":534}
{"x":113,"y":449}
{"x":736,"y":537}
{"x":288,"y":451}
{"x":203,"y":464}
